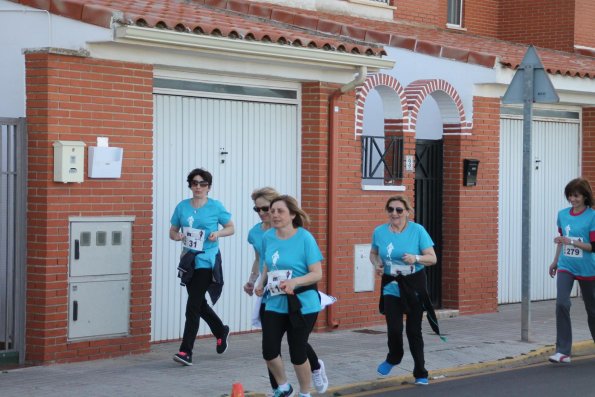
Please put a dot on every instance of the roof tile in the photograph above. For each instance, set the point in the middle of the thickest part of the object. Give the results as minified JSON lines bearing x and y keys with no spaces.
{"x":67,"y":8}
{"x":97,"y":15}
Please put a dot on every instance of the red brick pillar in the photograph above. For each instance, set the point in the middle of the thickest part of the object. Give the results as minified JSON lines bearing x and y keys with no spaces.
{"x":588,"y":152}
{"x":470,"y":215}
{"x":73,"y":98}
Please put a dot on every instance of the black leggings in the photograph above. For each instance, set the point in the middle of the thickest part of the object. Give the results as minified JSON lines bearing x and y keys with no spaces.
{"x":197,"y":308}
{"x":394,"y":310}
{"x":312,"y":357}
{"x":274,"y":326}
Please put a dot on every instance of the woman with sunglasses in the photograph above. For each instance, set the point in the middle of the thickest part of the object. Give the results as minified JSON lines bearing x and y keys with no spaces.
{"x":574,"y":260}
{"x":292,"y":267}
{"x":400,"y":250}
{"x":199,"y":218}
{"x":262,"y":203}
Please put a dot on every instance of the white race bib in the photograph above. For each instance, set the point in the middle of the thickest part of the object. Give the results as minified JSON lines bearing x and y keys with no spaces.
{"x":194,"y":238}
{"x":573,"y":251}
{"x":400,"y":268}
{"x":274,"y":278}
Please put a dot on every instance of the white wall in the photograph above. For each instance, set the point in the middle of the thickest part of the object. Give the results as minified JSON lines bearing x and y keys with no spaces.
{"x":29,"y":28}
{"x":411,"y":66}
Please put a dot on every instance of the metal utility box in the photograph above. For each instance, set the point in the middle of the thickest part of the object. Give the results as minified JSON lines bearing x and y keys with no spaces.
{"x":99,"y":276}
{"x":363,"y":280}
{"x":69,"y":163}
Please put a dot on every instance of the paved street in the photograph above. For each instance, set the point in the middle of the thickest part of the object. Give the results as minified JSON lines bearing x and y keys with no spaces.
{"x":474,"y":343}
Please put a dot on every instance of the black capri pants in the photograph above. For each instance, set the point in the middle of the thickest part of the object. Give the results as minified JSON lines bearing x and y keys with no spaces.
{"x":274,"y":326}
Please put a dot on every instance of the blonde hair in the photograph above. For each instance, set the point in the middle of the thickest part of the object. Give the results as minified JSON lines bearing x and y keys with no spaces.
{"x":267,"y":193}
{"x":402,"y":199}
{"x":301,"y":218}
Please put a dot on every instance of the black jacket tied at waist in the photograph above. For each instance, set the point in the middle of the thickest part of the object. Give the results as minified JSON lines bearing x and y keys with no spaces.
{"x":414,"y":292}
{"x":294,"y":306}
{"x":186,"y":271}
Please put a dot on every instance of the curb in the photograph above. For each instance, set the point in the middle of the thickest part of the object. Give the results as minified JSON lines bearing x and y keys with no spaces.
{"x":582,"y":347}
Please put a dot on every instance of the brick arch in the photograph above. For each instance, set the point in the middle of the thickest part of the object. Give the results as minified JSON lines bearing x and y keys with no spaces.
{"x":393,"y":98}
{"x":449,"y":102}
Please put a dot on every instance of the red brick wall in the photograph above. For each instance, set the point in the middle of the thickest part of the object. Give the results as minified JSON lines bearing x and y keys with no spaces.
{"x":421,"y":11}
{"x":481,"y":17}
{"x":584,"y":33}
{"x":358,"y":211}
{"x":544,"y":23}
{"x":588,"y":152}
{"x":76,"y":98}
{"x":470,"y":215}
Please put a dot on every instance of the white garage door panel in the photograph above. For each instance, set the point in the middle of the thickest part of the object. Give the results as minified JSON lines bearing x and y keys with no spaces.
{"x":555,"y":162}
{"x":261,"y":141}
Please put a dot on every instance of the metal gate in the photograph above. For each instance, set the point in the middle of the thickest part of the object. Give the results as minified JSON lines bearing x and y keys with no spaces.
{"x":13,"y":161}
{"x":428,"y":205}
{"x":556,"y":160}
{"x":245,"y":145}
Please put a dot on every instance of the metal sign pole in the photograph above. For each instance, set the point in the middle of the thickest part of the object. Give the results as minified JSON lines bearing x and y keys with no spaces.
{"x":527,"y":180}
{"x":530,"y":84}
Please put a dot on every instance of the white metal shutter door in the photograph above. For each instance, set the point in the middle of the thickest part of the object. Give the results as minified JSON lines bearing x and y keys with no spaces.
{"x":245,"y":145}
{"x":555,"y":162}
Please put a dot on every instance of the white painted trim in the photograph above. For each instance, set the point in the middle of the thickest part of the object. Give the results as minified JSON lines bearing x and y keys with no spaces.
{"x":372,"y":3}
{"x":384,"y":188}
{"x":248,"y":49}
{"x":455,"y":27}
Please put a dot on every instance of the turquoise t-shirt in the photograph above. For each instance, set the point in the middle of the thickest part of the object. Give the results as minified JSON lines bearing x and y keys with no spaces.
{"x":577,"y":227}
{"x":207,"y":218}
{"x":295,"y":254}
{"x":392,"y":246}
{"x":255,"y":239}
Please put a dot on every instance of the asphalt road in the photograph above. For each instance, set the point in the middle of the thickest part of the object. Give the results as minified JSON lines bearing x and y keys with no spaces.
{"x":537,"y":380}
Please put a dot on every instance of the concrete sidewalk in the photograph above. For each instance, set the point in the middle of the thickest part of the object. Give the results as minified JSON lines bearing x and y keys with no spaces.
{"x":351,"y":358}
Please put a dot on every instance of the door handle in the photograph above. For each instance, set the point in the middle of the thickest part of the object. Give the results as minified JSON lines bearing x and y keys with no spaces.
{"x":76,"y":249}
{"x":75,"y":310}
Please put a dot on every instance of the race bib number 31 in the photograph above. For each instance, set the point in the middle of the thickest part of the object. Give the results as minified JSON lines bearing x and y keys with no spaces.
{"x":194,"y":238}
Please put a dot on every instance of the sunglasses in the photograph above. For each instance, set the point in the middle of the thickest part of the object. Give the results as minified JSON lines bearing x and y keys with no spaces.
{"x":200,"y":183}
{"x":399,"y":210}
{"x":263,"y":209}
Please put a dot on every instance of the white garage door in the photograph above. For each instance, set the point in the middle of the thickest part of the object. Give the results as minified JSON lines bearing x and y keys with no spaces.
{"x":245,"y":145}
{"x":556,"y":160}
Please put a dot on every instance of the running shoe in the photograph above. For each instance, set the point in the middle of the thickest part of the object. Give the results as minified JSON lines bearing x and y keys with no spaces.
{"x":284,"y":393}
{"x":319,"y":378}
{"x":222,"y":342}
{"x":422,"y":381}
{"x":560,"y":358}
{"x":183,"y":358}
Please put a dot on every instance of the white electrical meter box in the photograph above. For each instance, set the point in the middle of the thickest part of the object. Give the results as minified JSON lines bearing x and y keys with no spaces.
{"x":69,"y":161}
{"x":363,"y":279}
{"x":99,"y":276}
{"x":105,"y":162}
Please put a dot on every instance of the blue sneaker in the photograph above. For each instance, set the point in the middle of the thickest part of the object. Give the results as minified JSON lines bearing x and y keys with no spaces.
{"x":384,"y":368}
{"x":284,"y":393}
{"x":422,"y":381}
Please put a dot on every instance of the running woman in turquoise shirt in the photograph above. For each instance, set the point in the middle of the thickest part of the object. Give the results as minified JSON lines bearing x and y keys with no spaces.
{"x":574,"y":260}
{"x":262,"y":203}
{"x":402,"y":248}
{"x":195,"y":222}
{"x":292,"y":267}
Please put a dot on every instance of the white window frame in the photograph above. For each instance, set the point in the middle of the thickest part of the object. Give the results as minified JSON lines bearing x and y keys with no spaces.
{"x":457,"y":20}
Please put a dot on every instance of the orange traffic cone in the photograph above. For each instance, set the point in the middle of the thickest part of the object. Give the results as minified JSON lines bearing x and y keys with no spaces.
{"x":237,"y":390}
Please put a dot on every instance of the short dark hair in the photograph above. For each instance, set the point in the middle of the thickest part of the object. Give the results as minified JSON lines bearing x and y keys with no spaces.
{"x":204,"y":174}
{"x":582,"y":187}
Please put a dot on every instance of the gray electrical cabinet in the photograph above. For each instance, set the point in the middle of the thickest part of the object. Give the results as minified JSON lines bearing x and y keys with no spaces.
{"x":99,"y":276}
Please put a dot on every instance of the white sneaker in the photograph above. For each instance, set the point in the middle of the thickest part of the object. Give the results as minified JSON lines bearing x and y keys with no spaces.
{"x":319,"y":378}
{"x":560,"y":358}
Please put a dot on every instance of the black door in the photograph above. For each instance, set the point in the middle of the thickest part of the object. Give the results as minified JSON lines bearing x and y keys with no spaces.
{"x":428,"y":205}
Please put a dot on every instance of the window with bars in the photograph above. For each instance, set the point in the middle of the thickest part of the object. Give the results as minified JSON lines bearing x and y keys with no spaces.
{"x":455,"y":12}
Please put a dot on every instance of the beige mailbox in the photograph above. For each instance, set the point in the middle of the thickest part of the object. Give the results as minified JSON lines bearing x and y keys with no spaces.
{"x":69,"y":161}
